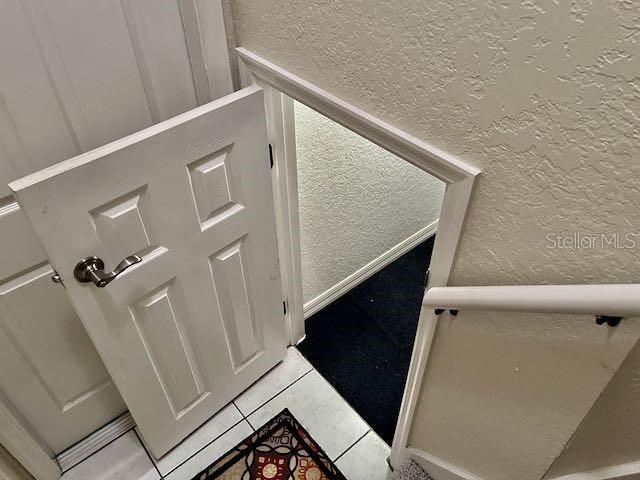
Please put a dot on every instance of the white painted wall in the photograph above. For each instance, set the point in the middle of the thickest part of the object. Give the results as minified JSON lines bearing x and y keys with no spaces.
{"x":356,"y":200}
{"x":610,"y":433}
{"x":543,"y":96}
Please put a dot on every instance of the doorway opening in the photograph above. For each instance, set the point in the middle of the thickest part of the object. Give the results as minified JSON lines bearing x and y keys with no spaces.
{"x":280,"y":88}
{"x":367,"y":227}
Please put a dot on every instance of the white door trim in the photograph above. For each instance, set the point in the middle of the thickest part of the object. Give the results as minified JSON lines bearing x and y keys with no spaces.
{"x":20,"y":443}
{"x":438,"y":163}
{"x":281,"y":136}
{"x":203,"y":23}
{"x":459,"y":176}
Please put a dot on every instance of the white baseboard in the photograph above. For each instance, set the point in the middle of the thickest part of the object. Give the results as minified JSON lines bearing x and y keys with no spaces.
{"x":94,"y":442}
{"x":624,"y":471}
{"x":353,"y":280}
{"x":438,"y":468}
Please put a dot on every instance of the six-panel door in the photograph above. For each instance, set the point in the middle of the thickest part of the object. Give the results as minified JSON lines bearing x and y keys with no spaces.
{"x":200,"y":318}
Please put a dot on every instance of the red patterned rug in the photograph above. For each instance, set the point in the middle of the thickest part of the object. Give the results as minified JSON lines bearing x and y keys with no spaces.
{"x":280,"y":450}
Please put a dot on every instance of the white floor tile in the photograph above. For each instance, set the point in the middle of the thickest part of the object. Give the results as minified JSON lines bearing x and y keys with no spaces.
{"x":292,"y":368}
{"x":211,"y":453}
{"x":221,"y":422}
{"x":366,"y":460}
{"x":326,"y":416}
{"x":123,"y":459}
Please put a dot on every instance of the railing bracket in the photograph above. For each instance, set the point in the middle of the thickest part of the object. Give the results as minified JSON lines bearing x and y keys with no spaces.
{"x":440,"y":311}
{"x":611,"y":321}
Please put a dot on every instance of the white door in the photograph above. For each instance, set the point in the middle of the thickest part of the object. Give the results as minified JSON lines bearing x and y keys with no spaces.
{"x":200,"y":317}
{"x":76,"y":75}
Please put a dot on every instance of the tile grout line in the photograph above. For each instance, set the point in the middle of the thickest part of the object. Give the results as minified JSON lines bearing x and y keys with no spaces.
{"x":243,"y":417}
{"x":233,"y":402}
{"x":205,"y":446}
{"x":202,"y":448}
{"x":353,"y":410}
{"x":148,"y":453}
{"x":352,"y":445}
{"x":153,"y":462}
{"x":246,"y":417}
{"x":274,"y":396}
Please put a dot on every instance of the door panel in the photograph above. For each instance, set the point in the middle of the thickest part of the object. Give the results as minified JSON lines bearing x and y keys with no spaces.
{"x":33,"y":127}
{"x":50,"y":370}
{"x":103,"y":30}
{"x":243,"y":333}
{"x":160,"y":319}
{"x":200,"y":318}
{"x":20,"y":248}
{"x":45,"y":349}
{"x":76,"y":76}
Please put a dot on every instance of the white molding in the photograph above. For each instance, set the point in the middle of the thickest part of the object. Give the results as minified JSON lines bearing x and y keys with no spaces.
{"x":94,"y":442}
{"x":21,"y":444}
{"x":203,"y":23}
{"x":624,"y":471}
{"x":215,"y":47}
{"x":438,"y":468}
{"x":459,"y":176}
{"x":289,"y":184}
{"x":453,"y":217}
{"x":437,"y":162}
{"x":281,"y":135}
{"x":332,"y":294}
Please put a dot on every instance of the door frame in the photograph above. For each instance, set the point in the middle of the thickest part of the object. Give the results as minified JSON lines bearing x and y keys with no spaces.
{"x":280,"y":86}
{"x":284,"y":177}
{"x":16,"y":437}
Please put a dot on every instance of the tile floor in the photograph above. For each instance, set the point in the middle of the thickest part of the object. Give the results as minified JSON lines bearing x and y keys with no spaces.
{"x":348,"y":440}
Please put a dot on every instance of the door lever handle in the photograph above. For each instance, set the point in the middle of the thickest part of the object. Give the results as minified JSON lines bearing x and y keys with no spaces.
{"x":91,"y":269}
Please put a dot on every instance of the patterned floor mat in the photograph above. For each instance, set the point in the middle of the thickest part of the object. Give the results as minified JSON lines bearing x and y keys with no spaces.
{"x":280,"y":450}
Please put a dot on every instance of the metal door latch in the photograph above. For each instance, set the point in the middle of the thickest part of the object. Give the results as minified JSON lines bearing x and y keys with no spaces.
{"x":91,"y":269}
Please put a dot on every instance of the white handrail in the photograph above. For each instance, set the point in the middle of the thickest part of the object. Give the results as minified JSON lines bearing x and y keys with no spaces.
{"x":607,"y":299}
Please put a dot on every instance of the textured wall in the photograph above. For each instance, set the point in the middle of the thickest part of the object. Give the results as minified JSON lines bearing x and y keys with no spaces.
{"x":356,"y":200}
{"x":544,"y":97}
